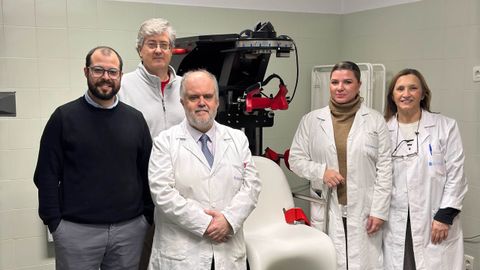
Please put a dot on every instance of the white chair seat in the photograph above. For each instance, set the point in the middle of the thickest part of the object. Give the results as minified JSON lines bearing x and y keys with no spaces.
{"x":272,"y":244}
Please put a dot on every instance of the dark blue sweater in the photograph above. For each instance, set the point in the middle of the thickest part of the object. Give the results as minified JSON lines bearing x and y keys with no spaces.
{"x":93,"y":165}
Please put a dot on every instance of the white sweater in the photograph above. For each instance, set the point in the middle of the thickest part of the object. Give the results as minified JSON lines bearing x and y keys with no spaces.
{"x":141,"y":90}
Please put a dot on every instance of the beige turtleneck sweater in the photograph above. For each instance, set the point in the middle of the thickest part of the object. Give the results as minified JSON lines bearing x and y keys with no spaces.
{"x":342,"y":118}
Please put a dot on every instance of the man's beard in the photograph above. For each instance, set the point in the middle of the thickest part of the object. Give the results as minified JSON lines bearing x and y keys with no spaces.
{"x":93,"y":88}
{"x":202,"y":124}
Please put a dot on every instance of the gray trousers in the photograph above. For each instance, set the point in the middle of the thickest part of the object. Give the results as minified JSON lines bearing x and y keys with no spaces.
{"x":147,"y":248}
{"x":92,"y":247}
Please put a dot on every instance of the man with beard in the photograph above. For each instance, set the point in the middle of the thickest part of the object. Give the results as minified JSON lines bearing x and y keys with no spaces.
{"x":91,"y":174}
{"x":204,"y":185}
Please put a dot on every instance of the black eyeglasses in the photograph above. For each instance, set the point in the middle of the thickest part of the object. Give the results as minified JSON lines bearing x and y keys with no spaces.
{"x":395,"y":151}
{"x":98,"y":72}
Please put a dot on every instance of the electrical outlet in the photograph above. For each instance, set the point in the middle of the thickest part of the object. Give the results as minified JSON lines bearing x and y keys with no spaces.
{"x":468,"y":259}
{"x":476,"y":73}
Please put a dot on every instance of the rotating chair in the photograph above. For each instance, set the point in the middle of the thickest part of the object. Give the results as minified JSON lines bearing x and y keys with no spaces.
{"x":272,"y":243}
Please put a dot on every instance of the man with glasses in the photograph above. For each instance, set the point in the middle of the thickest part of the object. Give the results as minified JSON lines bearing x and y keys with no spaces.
{"x":91,"y":174}
{"x":153,"y":88}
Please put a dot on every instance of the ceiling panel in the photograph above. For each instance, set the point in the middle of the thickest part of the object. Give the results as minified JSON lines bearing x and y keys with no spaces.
{"x":309,"y":6}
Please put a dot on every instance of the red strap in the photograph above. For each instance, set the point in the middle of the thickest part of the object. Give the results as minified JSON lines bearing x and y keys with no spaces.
{"x":269,"y":153}
{"x":285,"y":158}
{"x":296,"y":215}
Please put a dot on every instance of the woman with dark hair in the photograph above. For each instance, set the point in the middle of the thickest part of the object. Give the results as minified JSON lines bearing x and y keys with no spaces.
{"x":424,"y":230}
{"x":344,"y":150}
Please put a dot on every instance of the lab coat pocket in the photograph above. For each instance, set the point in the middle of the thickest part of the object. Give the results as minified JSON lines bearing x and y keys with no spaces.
{"x":239,"y":250}
{"x":435,"y":256}
{"x":371,"y":145}
{"x":317,"y":210}
{"x":436,"y":165}
{"x":176,"y":240}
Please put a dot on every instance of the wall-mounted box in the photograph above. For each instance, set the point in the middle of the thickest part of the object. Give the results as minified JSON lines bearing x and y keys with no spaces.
{"x":7,"y":104}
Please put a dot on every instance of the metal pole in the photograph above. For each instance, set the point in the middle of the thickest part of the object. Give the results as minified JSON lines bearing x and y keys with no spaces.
{"x":327,"y":209}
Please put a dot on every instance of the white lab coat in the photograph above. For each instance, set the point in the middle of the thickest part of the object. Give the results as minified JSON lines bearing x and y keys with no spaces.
{"x":369,"y":180}
{"x":435,"y":179}
{"x":183,"y":186}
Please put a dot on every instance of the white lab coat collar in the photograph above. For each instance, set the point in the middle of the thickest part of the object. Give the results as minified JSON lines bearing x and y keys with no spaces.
{"x":221,"y":140}
{"x":325,"y":118}
{"x":196,"y":134}
{"x":426,"y":122}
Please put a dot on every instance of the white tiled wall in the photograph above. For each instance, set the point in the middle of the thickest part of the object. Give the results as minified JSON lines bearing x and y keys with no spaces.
{"x":20,"y":73}
{"x":43,"y":44}
{"x":83,"y":14}
{"x":19,"y":41}
{"x":19,"y":13}
{"x":51,"y":13}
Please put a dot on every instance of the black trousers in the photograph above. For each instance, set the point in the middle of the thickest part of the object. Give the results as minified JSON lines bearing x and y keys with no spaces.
{"x":409,"y":258}
{"x":346,"y":239}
